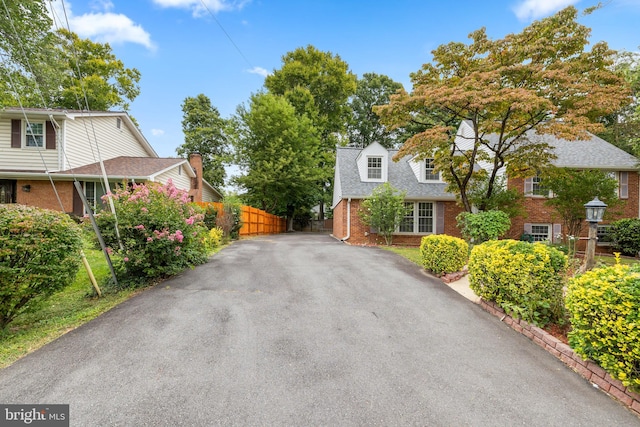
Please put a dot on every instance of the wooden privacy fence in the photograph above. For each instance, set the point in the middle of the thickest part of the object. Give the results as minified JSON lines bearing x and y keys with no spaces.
{"x":255,"y":221}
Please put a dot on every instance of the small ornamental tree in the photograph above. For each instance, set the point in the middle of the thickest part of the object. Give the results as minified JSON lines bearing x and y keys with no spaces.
{"x":573,"y":188}
{"x":39,"y":255}
{"x":384,"y":210}
{"x":161,"y":233}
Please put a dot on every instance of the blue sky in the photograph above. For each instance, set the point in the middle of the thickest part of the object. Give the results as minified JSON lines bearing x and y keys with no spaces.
{"x":224,"y":48}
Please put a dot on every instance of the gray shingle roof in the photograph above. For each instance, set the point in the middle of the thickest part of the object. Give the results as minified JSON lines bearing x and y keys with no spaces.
{"x":593,"y":153}
{"x":400,"y":176}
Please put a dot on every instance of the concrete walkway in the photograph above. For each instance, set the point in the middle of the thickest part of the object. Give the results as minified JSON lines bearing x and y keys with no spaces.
{"x":461,"y":286}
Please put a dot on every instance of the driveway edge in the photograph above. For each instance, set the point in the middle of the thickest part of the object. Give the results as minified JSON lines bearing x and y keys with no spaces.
{"x":588,"y":369}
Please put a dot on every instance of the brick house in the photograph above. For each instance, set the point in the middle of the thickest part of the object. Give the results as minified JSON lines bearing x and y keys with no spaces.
{"x":38,"y":146}
{"x":434,"y":211}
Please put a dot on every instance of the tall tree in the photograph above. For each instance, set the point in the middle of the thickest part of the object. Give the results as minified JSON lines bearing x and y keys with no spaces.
{"x":623,"y":128}
{"x":541,"y":79}
{"x":364,"y":126}
{"x":92,"y":70}
{"x":317,"y":84}
{"x":205,"y":133}
{"x":277,"y":149}
{"x":42,"y":68}
{"x":29,"y":73}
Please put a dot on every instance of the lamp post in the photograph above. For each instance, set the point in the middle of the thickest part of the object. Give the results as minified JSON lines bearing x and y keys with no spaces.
{"x":595,"y":212}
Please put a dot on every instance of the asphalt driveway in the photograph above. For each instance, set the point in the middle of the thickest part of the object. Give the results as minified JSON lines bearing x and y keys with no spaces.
{"x":303,"y":330}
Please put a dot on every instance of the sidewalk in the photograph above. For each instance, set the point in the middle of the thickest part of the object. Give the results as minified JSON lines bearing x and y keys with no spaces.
{"x":461,"y":286}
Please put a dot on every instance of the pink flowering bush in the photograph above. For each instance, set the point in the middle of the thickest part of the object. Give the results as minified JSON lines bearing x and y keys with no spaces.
{"x":161,"y":232}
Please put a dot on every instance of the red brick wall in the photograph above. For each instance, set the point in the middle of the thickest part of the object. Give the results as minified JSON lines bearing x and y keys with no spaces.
{"x":339,"y":222}
{"x":41,"y":194}
{"x":539,"y":212}
{"x":195,"y":192}
{"x":360,"y":234}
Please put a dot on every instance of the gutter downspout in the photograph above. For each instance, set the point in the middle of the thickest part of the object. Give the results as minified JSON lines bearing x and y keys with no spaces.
{"x":348,"y":221}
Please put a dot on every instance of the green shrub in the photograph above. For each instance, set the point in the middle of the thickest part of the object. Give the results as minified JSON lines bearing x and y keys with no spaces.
{"x":443,"y":254}
{"x":39,"y":255}
{"x":625,"y":235}
{"x":215,"y":237}
{"x":523,"y":278}
{"x":482,"y":226}
{"x":161,"y":233}
{"x":604,"y":305}
{"x":210,"y":216}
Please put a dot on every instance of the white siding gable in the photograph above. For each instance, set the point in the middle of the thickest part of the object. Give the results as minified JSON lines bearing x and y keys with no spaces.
{"x":418,"y":168}
{"x":86,"y":136}
{"x":465,"y":136}
{"x":374,"y":150}
{"x":337,"y":186}
{"x":178,"y":176}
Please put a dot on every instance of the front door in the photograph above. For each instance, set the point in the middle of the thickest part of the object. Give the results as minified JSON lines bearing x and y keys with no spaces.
{"x":7,"y":191}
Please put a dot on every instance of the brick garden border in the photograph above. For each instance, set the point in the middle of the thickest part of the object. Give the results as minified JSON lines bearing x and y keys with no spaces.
{"x":586,"y":368}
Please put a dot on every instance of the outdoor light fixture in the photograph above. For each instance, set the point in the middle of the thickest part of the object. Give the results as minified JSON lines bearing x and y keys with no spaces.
{"x":595,"y":212}
{"x":26,"y":188}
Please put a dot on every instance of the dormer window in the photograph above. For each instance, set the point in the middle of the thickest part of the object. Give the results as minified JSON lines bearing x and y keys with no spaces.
{"x":374,"y":167}
{"x":430,"y":173}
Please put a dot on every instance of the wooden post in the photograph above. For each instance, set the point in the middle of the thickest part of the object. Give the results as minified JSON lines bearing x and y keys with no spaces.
{"x":590,"y":256}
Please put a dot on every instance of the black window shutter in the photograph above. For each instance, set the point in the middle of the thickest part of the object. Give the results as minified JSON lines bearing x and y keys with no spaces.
{"x":16,"y":133}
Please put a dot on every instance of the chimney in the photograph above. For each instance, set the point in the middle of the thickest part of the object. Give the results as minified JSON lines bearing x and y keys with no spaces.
{"x":195,"y":160}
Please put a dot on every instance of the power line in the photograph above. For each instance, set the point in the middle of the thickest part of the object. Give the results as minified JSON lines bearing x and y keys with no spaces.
{"x":204,"y":4}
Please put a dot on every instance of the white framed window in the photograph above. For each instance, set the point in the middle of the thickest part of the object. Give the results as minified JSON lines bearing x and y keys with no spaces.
{"x":374,"y":167}
{"x":537,"y":189}
{"x":604,"y":238}
{"x":406,"y":226}
{"x":34,"y":134}
{"x":425,"y":217}
{"x":418,"y":219}
{"x":541,"y":232}
{"x":430,"y":173}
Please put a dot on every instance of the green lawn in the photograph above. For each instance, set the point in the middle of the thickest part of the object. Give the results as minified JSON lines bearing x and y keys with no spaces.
{"x":64,"y":311}
{"x":410,"y":253}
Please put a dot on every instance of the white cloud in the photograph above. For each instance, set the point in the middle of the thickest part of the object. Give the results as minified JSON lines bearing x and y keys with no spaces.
{"x":533,"y":9}
{"x":259,"y":70}
{"x":157,"y":132}
{"x":202,"y":7}
{"x":102,"y":25}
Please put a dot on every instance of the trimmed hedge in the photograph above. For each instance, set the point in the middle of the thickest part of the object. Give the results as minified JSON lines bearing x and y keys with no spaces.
{"x":604,"y":305}
{"x":443,"y":254}
{"x":39,"y":255}
{"x":524,"y":279}
{"x":625,"y":236}
{"x":482,"y":226}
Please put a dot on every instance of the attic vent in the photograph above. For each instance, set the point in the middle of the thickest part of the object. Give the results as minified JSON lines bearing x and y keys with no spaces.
{"x":118,"y":123}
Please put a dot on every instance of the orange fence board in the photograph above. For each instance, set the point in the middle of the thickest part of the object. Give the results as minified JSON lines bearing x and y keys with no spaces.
{"x":255,"y":221}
